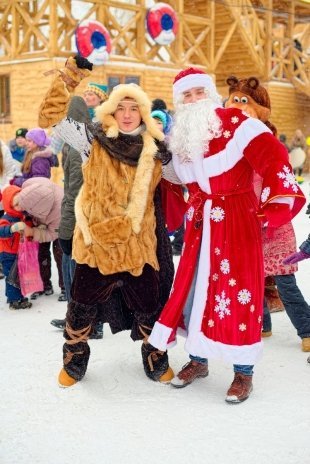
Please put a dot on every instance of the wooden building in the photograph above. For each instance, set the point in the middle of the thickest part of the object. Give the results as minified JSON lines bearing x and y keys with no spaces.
{"x":269,"y":39}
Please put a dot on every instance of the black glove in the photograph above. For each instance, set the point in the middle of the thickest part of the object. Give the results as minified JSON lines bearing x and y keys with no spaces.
{"x":83,"y":63}
{"x":66,"y":246}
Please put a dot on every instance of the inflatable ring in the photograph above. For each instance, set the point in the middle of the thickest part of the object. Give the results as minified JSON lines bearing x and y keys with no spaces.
{"x":162,"y":23}
{"x":93,"y":41}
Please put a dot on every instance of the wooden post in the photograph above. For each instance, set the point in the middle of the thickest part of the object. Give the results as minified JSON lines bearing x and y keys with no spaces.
{"x":290,"y":34}
{"x":14,"y":32}
{"x":140,"y":31}
{"x":268,"y":41}
{"x":53,"y":24}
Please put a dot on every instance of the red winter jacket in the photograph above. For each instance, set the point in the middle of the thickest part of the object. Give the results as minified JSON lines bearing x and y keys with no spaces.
{"x":9,"y":241}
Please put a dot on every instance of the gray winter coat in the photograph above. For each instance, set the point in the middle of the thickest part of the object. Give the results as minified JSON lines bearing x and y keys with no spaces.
{"x":72,"y":166}
{"x":305,"y":246}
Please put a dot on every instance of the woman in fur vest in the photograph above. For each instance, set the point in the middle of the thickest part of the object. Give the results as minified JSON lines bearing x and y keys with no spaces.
{"x":123,"y":254}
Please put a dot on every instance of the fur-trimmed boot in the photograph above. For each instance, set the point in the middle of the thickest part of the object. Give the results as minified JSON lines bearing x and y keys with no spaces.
{"x":76,"y":352}
{"x":75,"y":355}
{"x":155,"y":362}
{"x":272,"y":296}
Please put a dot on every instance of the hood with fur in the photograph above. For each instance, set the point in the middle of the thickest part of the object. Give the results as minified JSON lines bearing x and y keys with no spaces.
{"x":105,"y":111}
{"x":7,"y":200}
{"x":37,"y":197}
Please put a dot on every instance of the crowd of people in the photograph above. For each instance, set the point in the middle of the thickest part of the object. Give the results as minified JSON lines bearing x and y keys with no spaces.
{"x":210,"y":182}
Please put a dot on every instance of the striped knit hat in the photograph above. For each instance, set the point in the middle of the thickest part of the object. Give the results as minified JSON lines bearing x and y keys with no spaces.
{"x":99,"y":89}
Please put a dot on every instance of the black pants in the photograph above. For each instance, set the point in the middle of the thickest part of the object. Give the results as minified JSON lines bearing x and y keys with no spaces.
{"x":123,"y":300}
{"x":45,"y":261}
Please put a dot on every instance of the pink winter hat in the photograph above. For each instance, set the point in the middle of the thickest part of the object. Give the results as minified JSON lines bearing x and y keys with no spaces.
{"x":39,"y":137}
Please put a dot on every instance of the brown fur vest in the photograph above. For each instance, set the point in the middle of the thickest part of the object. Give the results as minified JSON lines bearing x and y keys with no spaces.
{"x":115,"y":229}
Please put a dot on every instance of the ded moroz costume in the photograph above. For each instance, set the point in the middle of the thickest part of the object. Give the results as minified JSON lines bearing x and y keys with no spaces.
{"x":218,"y":289}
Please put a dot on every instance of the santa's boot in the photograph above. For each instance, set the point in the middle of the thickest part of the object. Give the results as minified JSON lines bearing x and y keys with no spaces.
{"x":272,"y":296}
{"x":155,"y":362}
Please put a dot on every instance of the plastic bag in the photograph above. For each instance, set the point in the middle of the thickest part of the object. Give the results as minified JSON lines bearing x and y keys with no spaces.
{"x":13,"y":277}
{"x":28,"y":267}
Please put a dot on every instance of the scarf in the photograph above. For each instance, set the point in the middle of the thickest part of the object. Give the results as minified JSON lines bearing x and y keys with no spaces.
{"x":125,"y":148}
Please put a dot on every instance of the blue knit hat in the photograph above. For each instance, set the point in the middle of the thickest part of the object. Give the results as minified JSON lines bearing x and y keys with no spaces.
{"x":164,"y":117}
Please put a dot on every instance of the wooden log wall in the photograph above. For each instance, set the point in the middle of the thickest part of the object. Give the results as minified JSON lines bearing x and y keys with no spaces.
{"x":290,"y":109}
{"x":29,"y":85}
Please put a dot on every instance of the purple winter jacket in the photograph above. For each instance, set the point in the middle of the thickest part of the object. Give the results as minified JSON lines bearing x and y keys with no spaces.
{"x":41,"y":164}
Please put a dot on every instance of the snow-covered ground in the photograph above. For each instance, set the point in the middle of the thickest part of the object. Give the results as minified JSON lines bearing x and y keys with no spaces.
{"x":116,"y":415}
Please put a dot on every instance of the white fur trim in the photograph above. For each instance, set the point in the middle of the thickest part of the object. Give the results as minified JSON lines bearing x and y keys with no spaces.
{"x":199,"y":345}
{"x":159,"y":336}
{"x":191,"y":81}
{"x":226,"y":159}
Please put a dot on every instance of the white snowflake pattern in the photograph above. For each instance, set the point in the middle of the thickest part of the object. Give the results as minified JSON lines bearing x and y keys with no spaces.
{"x":215,"y":277}
{"x":259,"y":319}
{"x":217,"y":214}
{"x":288,"y":178}
{"x":244,"y":296}
{"x":234,"y":119}
{"x":252,"y":308}
{"x":227,"y":134}
{"x":210,"y":323}
{"x":265,"y":194}
{"x":242,"y":327}
{"x":217,"y":251}
{"x":222,"y":307}
{"x":232,"y":282}
{"x":190,"y":213}
{"x":225,"y":266}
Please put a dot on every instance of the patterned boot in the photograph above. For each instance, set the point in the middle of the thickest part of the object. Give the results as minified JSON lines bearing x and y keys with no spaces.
{"x":75,"y":355}
{"x":155,"y":362}
{"x":76,"y":352}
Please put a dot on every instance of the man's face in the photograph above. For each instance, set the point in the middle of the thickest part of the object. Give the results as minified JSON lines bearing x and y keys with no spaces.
{"x":194,"y":94}
{"x":91,"y":99}
{"x":20,"y":141}
{"x":127,"y":115}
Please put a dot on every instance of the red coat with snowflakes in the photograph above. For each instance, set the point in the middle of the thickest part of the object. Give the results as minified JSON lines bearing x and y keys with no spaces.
{"x":223,"y":240}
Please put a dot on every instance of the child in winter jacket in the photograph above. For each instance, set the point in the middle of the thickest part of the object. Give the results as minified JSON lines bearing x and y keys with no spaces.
{"x":38,"y":159}
{"x":12,"y":224}
{"x":41,"y":198}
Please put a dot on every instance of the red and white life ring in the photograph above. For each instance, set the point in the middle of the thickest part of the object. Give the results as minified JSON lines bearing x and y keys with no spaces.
{"x":93,"y":41}
{"x":162,"y":23}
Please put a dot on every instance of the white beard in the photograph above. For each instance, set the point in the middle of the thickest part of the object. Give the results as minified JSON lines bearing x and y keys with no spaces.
{"x":194,"y":125}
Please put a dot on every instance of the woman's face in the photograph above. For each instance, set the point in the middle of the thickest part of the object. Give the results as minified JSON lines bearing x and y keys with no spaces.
{"x":159,"y":124}
{"x":31,"y":145}
{"x":91,"y":99}
{"x":127,"y":115}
